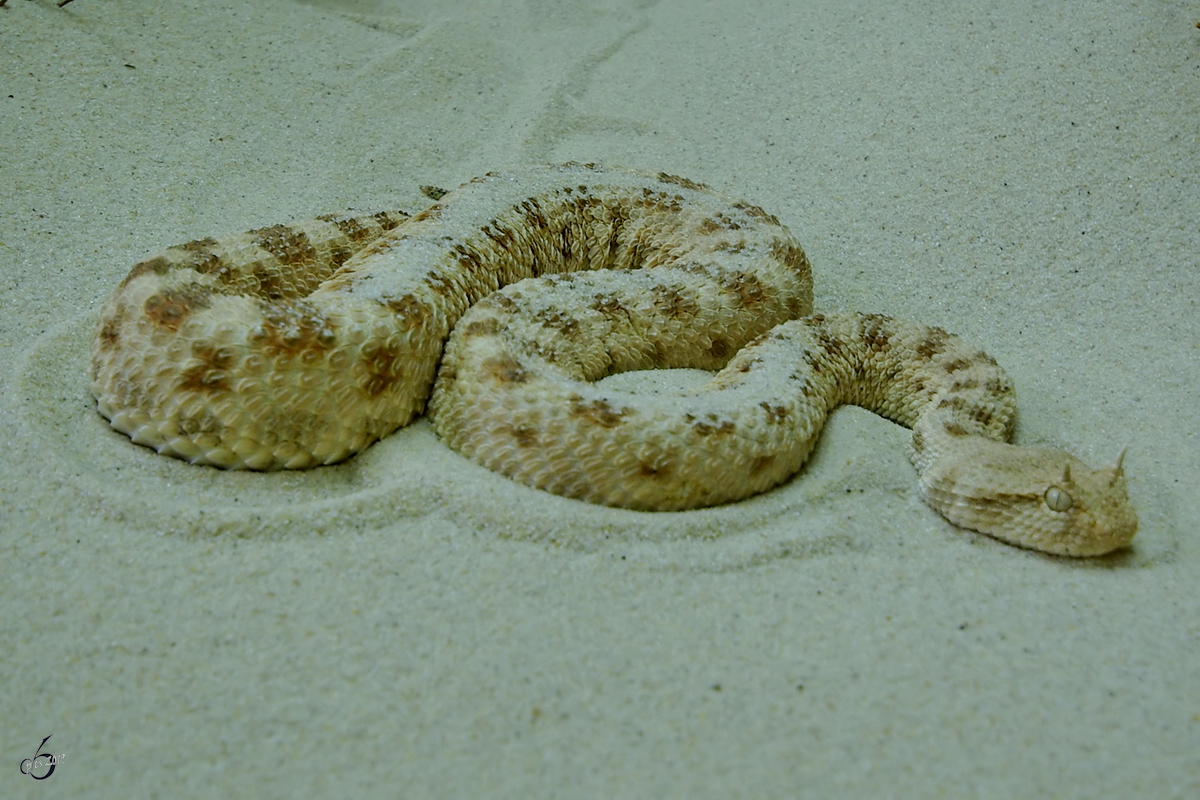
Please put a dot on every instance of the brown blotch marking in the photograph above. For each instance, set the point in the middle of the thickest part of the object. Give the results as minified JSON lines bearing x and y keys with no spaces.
{"x":756,"y":212}
{"x":582,"y":206}
{"x":673,"y":304}
{"x":983,"y":358}
{"x":110,"y":330}
{"x":719,"y":349}
{"x":954,"y":403}
{"x":535,"y":218}
{"x":385,"y":368}
{"x":552,"y":318}
{"x":339,"y":254}
{"x":526,"y":435}
{"x":800,"y":377}
{"x":934,"y":343}
{"x":831,"y":344}
{"x":194,"y":255}
{"x":918,"y":442}
{"x":506,"y":369}
{"x":271,"y":284}
{"x":501,"y":301}
{"x":964,"y":385}
{"x":956,"y":364}
{"x":414,"y":313}
{"x":468,"y":259}
{"x":433,"y":212}
{"x":618,"y":220}
{"x":198,"y":255}
{"x":292,"y":329}
{"x":982,"y":415}
{"x":350,"y":227}
{"x":488,"y":326}
{"x":437,"y":193}
{"x":813,"y":362}
{"x":211,"y":374}
{"x":598,"y":412}
{"x":761,"y":463}
{"x":609,"y":305}
{"x":776,"y":415}
{"x":502,"y":235}
{"x":659,"y":201}
{"x":710,"y":426}
{"x":288,"y":245}
{"x":720,"y":222}
{"x":206,"y":244}
{"x":151,"y":266}
{"x":746,"y":287}
{"x":549,"y":354}
{"x":791,"y":256}
{"x":875,"y":334}
{"x":171,"y":307}
{"x":566,"y":246}
{"x":440,"y":284}
{"x":678,"y":181}
{"x":389,"y":220}
{"x":954,"y":429}
{"x":997,"y":386}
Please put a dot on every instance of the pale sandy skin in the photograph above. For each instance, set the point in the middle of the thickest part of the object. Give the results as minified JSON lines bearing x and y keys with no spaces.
{"x":297,"y":346}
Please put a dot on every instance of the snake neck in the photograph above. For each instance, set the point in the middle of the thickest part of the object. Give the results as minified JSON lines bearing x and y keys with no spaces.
{"x":1035,"y":497}
{"x":961,"y":408}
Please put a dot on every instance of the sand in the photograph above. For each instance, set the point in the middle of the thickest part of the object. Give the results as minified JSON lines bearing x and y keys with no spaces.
{"x":409,"y":624}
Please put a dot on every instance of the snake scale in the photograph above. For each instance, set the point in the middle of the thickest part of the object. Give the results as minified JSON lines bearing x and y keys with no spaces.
{"x":500,"y":306}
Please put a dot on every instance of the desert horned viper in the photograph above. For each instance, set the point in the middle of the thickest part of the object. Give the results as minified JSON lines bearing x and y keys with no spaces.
{"x":504,"y":301}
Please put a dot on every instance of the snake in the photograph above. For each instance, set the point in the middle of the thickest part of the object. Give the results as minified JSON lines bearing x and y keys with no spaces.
{"x":499,"y":308}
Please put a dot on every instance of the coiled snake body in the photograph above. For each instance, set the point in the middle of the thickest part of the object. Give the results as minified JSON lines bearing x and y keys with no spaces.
{"x":502,"y":303}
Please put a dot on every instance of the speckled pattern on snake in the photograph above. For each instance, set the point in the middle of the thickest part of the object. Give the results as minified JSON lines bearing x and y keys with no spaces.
{"x":499,"y":307}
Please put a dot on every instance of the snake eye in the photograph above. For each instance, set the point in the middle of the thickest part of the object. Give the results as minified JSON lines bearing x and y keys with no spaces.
{"x":1057,"y":500}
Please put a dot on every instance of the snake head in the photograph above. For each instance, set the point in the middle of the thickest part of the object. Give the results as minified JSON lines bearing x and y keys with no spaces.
{"x":1085,"y":512}
{"x":1035,"y":497}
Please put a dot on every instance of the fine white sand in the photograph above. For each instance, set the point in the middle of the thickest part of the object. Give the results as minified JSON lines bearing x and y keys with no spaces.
{"x":409,"y":624}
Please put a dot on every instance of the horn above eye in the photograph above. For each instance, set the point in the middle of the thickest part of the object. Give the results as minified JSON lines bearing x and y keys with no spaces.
{"x":1117,"y":469}
{"x":1057,"y":500}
